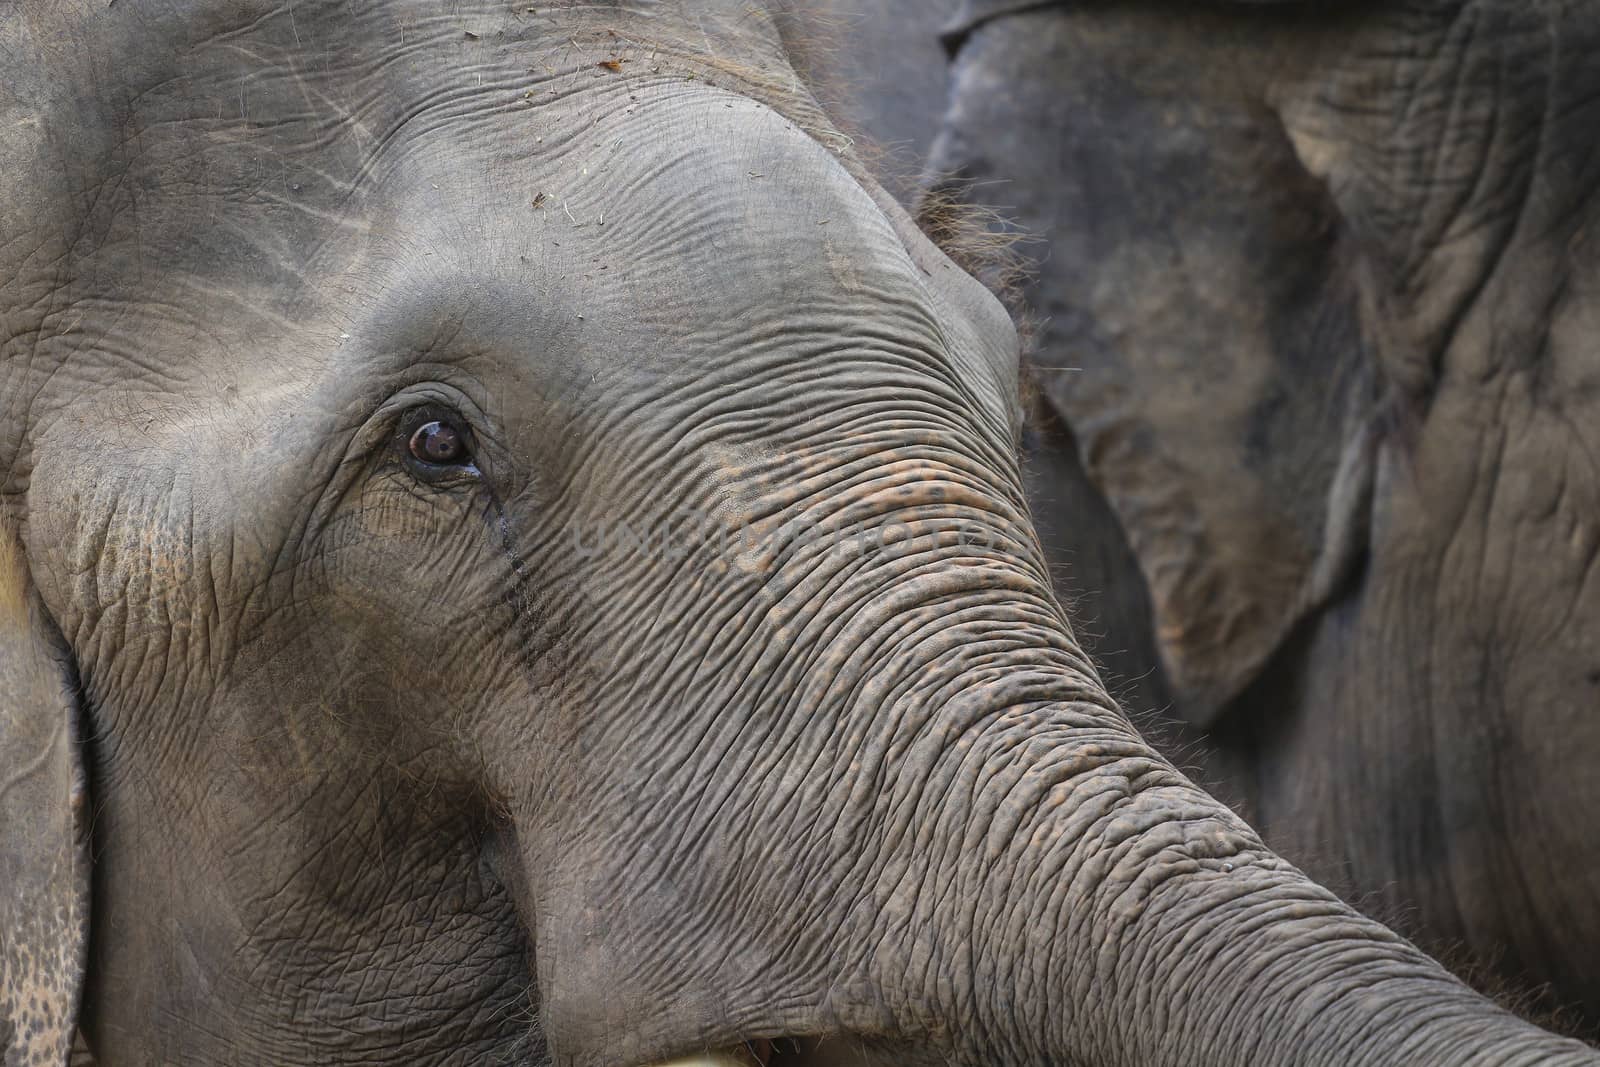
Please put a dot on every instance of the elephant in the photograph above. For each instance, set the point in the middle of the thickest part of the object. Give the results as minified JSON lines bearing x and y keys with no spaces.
{"x":1320,"y":423}
{"x":514,"y":552}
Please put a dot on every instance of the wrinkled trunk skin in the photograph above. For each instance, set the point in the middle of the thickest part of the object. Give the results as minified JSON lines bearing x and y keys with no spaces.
{"x":974,"y":856}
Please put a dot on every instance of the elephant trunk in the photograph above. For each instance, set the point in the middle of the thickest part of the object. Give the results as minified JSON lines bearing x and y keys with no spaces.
{"x":1051,"y":890}
{"x":1112,"y":912}
{"x":894,"y":802}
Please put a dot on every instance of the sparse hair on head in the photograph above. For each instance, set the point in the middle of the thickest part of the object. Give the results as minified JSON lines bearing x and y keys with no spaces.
{"x":980,"y":240}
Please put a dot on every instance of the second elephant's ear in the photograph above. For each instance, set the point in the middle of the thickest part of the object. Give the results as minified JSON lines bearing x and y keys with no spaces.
{"x":1201,"y":333}
{"x":44,"y":855}
{"x":1233,"y":434}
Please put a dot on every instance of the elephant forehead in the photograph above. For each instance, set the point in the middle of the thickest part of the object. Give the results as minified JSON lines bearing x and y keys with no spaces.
{"x":687,"y":212}
{"x":650,"y":202}
{"x":263,"y":161}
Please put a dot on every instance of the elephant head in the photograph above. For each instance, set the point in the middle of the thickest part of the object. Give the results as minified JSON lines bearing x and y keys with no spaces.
{"x":1321,"y":294}
{"x":524,"y":544}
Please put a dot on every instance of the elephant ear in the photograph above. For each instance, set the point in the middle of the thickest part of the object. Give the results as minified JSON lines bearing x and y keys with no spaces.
{"x":44,"y":855}
{"x":1202,"y":327}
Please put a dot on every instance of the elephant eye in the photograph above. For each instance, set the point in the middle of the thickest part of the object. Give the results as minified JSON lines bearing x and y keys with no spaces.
{"x":436,"y":443}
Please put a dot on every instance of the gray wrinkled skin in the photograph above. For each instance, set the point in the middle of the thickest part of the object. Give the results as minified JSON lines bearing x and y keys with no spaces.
{"x":392,"y":762}
{"x":1326,"y":286}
